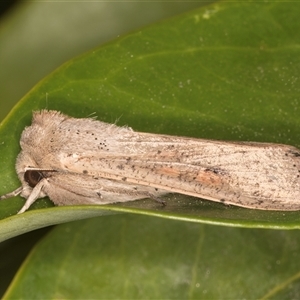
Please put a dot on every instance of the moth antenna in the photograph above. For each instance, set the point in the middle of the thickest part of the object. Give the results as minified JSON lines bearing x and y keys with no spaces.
{"x":46,"y":100}
{"x":12,"y":194}
{"x":92,"y":115}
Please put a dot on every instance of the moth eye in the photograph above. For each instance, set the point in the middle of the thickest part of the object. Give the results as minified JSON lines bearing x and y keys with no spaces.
{"x":33,"y":177}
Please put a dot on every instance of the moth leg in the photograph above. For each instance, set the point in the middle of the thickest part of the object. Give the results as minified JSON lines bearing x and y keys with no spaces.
{"x":162,"y":202}
{"x":33,"y":196}
{"x":12,"y":194}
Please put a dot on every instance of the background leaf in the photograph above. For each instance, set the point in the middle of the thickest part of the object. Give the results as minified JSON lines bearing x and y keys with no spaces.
{"x":227,"y":71}
{"x":38,"y":36}
{"x":137,"y":257}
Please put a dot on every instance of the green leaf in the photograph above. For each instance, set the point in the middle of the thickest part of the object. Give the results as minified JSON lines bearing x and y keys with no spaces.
{"x":137,"y":257}
{"x":38,"y":36}
{"x":201,"y":74}
{"x":227,"y":71}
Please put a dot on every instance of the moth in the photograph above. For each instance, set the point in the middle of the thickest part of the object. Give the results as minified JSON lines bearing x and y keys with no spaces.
{"x":85,"y":161}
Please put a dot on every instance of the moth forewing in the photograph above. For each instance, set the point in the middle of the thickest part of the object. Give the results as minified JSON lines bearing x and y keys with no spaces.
{"x":253,"y":175}
{"x":84,"y":161}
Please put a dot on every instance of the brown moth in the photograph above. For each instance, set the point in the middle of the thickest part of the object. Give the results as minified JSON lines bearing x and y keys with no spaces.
{"x":85,"y":161}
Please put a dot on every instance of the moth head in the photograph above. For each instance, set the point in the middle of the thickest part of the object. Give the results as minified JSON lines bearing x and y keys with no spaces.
{"x":29,"y":174}
{"x":33,"y":180}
